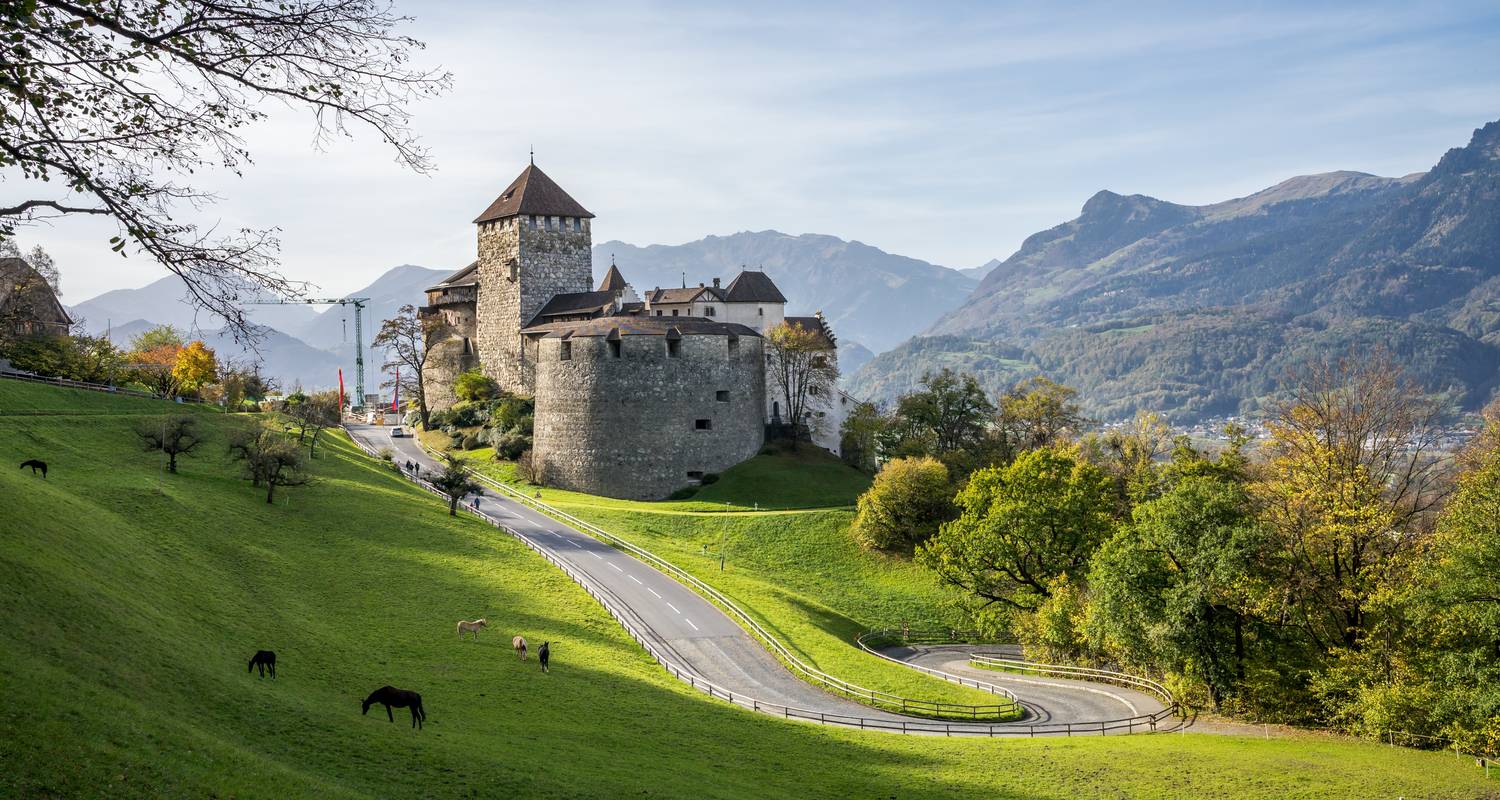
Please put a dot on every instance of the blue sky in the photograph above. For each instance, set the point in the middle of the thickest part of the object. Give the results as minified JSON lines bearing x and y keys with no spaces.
{"x":947,"y":132}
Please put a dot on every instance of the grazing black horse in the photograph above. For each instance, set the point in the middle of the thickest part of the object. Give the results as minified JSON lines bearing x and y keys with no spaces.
{"x":390,"y":696}
{"x":35,"y":465}
{"x":263,"y":659}
{"x":543,"y":654}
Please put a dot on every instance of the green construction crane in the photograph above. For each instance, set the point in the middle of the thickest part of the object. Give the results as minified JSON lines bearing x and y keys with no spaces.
{"x":359,"y":334}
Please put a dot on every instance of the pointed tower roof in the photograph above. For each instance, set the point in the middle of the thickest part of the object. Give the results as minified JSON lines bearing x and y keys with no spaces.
{"x":752,"y":286}
{"x":613,"y":280}
{"x":532,"y":192}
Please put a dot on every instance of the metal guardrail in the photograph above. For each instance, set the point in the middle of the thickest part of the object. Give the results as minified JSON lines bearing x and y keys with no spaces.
{"x":936,"y":673}
{"x":873,"y":697}
{"x":655,"y":646}
{"x":1080,"y":673}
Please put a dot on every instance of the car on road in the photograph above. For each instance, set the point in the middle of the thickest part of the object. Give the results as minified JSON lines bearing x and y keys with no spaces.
{"x":397,"y":432}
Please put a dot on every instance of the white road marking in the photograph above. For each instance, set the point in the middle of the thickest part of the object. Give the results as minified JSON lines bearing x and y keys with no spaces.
{"x":616,"y":568}
{"x":577,"y":545}
{"x":674,"y":608}
{"x":690,"y":622}
{"x":637,"y":580}
{"x":653,"y":591}
{"x":596,"y":555}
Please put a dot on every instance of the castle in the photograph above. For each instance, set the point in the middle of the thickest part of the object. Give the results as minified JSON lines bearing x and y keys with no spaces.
{"x":637,"y":394}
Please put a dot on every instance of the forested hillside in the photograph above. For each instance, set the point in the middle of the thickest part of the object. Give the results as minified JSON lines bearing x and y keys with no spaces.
{"x":1200,"y":310}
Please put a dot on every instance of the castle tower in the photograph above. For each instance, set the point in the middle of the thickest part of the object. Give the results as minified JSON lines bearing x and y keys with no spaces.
{"x":534,"y":243}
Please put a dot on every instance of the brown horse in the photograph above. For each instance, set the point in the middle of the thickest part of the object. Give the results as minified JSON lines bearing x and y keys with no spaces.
{"x":390,"y":696}
{"x":520,"y":644}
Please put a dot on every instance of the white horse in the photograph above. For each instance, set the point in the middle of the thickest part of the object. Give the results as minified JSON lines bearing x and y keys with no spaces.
{"x":520,"y":644}
{"x":470,"y":627}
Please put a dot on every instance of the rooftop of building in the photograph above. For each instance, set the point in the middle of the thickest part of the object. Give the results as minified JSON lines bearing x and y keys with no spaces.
{"x":533,"y":193}
{"x":615,"y":326}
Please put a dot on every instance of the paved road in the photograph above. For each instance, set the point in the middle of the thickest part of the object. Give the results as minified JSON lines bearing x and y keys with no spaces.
{"x":1047,"y":699}
{"x":703,"y":638}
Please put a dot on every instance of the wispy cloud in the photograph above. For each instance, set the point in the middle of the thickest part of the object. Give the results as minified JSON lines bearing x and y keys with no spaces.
{"x":943,"y":131}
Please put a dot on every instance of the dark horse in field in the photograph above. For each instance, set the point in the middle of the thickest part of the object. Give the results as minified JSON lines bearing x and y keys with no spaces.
{"x":391,"y":697}
{"x":264,"y":659}
{"x":35,"y":465}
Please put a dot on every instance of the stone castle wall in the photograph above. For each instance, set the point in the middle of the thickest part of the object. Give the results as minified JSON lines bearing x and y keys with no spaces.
{"x":446,"y":357}
{"x":523,"y":262}
{"x":627,"y":426}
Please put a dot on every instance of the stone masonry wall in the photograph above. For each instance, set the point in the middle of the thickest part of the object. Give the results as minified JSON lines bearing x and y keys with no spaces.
{"x":520,"y":268}
{"x":626,"y":427}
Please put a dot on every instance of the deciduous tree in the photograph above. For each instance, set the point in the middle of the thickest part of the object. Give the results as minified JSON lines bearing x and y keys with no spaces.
{"x":196,"y":367}
{"x":108,"y":108}
{"x":404,"y":338}
{"x":1354,"y":478}
{"x":1021,"y":527}
{"x":801,"y":369}
{"x":173,"y":436}
{"x":909,"y":499}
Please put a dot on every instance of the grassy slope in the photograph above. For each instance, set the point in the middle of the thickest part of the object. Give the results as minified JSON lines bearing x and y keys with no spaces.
{"x":130,"y":613}
{"x":800,"y":575}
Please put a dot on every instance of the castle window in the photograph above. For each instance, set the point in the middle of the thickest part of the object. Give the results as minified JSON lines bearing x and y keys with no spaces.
{"x":614,"y":348}
{"x":760,"y":312}
{"x":674,"y":348}
{"x":722,"y":395}
{"x":812,"y":391}
{"x":819,"y":362}
{"x":514,"y":266}
{"x":532,"y":221}
{"x":674,"y":312}
{"x":468,"y":347}
{"x":708,"y":311}
{"x":703,"y":424}
{"x":734,"y":346}
{"x":565,"y":352}
{"x":658,"y":312}
{"x":695,"y":474}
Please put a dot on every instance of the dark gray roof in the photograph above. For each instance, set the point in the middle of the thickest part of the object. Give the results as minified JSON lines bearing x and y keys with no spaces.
{"x":642,"y":326}
{"x":464,"y":277}
{"x":753,"y":287}
{"x":817,"y":325}
{"x":570,"y":303}
{"x":532,"y":192}
{"x":613,"y":280}
{"x":15,"y":272}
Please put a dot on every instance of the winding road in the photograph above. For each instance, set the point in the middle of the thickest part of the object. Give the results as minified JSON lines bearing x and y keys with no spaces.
{"x":703,"y":639}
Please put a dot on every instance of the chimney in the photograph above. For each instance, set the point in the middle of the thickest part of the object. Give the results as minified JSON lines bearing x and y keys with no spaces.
{"x":700,"y":284}
{"x":716,"y":283}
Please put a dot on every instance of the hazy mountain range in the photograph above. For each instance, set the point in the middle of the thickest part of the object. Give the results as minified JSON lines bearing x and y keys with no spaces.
{"x":1202,"y":310}
{"x":872,"y":297}
{"x":874,"y":300}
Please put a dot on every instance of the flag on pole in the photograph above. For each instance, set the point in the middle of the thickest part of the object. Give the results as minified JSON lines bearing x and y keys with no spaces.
{"x":396,"y":391}
{"x":341,"y":388}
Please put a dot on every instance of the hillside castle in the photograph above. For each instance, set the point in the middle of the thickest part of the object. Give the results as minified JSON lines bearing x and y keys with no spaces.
{"x":637,"y":394}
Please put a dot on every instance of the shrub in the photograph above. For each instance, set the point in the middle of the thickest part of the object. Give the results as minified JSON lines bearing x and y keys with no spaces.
{"x":526,"y":467}
{"x":512,"y":412}
{"x":905,"y":505}
{"x":471,"y":442}
{"x":465,"y":415}
{"x":509,"y":445}
{"x":475,"y":386}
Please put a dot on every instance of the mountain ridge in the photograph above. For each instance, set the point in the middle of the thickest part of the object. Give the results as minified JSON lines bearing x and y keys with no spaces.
{"x":1118,"y":299}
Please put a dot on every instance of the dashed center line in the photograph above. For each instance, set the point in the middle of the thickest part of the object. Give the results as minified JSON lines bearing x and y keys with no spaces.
{"x":674,"y":608}
{"x":596,"y":555}
{"x":690,"y":622}
{"x":653,"y":591}
{"x":637,"y":580}
{"x":616,"y":568}
{"x":577,"y":545}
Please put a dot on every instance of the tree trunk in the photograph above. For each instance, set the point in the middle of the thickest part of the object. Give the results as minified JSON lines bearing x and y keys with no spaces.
{"x":453,"y":505}
{"x":270,"y":490}
{"x":312,"y":449}
{"x":171,"y":462}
